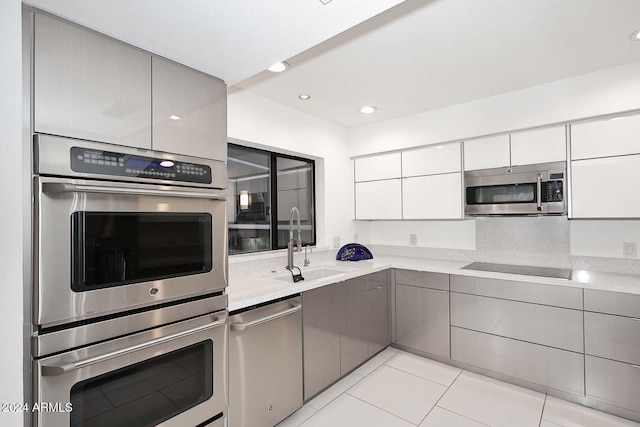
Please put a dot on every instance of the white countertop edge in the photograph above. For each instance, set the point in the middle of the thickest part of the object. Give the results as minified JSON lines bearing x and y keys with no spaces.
{"x":243,"y":291}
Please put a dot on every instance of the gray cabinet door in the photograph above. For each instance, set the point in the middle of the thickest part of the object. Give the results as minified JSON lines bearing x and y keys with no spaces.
{"x":189,"y":111}
{"x":422,"y":319}
{"x":322,"y":314}
{"x":379,"y":336}
{"x":354,"y":343}
{"x":89,"y":86}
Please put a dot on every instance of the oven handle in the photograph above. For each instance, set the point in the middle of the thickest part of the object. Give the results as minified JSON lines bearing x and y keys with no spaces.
{"x":539,"y":191}
{"x":247,"y":325}
{"x":56,"y":187}
{"x":52,"y":371}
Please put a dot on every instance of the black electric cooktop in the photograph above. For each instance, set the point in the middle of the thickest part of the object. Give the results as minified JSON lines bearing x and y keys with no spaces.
{"x":557,"y":273}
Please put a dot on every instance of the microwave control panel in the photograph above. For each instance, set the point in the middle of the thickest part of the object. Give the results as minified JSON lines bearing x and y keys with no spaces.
{"x":555,"y":191}
{"x":107,"y":163}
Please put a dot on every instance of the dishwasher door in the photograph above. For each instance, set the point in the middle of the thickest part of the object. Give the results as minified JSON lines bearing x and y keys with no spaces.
{"x":265,"y":364}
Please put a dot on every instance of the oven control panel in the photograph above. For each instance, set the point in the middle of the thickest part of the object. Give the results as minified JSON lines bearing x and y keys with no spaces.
{"x":101,"y":162}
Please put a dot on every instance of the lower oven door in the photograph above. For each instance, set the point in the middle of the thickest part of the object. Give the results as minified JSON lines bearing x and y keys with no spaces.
{"x":107,"y":247}
{"x":175,"y":375}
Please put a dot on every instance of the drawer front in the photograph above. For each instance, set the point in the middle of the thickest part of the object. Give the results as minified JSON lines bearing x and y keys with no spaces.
{"x":613,"y":382}
{"x":612,"y":337}
{"x":549,"y":367}
{"x":612,"y":303}
{"x":540,"y":324}
{"x":423,"y":279}
{"x":422,"y":319}
{"x":559,"y":296}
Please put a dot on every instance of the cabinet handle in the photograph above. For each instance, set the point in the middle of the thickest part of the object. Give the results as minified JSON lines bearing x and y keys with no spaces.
{"x":246,"y":325}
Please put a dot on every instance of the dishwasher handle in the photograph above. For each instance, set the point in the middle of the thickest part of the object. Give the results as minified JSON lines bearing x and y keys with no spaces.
{"x":246,"y":325}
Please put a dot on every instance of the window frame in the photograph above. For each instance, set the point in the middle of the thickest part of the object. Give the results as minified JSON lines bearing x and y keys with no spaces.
{"x":273,"y":181}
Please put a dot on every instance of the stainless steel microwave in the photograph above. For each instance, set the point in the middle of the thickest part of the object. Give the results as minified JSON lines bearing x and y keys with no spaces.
{"x":538,"y":189}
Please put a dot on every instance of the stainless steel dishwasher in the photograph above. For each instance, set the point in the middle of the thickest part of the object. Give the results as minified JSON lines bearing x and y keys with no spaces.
{"x":265,"y":364}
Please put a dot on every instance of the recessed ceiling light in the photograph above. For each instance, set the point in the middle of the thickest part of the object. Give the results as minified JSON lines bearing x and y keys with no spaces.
{"x":278,"y":67}
{"x":174,"y":117}
{"x":368,"y":109}
{"x":304,"y":97}
{"x":635,"y":36}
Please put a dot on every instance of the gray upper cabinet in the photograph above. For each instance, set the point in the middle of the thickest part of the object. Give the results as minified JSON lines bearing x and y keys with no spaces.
{"x":189,"y":111}
{"x":90,"y":87}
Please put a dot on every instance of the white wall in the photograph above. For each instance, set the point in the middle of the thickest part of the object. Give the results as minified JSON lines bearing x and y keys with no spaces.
{"x":607,"y":91}
{"x":430,"y":234}
{"x":265,"y":123}
{"x":11,"y":220}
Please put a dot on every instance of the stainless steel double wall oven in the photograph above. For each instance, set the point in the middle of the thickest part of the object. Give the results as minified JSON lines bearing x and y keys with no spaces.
{"x":130,"y":268}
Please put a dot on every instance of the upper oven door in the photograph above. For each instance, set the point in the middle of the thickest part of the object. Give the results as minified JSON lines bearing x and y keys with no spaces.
{"x":108,"y":247}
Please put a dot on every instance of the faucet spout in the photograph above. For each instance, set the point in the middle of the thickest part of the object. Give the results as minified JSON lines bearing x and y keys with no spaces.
{"x":290,"y":247}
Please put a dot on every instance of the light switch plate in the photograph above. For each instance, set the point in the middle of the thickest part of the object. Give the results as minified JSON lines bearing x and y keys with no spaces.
{"x":413,"y":239}
{"x":630,"y":249}
{"x":336,"y":241}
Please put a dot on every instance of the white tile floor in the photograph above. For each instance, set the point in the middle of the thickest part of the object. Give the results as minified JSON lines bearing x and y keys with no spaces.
{"x":396,"y":388}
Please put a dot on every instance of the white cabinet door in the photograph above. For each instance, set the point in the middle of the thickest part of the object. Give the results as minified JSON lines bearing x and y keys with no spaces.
{"x":602,"y":138}
{"x":89,"y":86}
{"x":485,"y":153}
{"x":539,"y":146}
{"x":382,"y":166}
{"x":199,"y":101}
{"x":432,"y":197}
{"x":432,"y":160}
{"x":606,"y":187}
{"x":379,"y":199}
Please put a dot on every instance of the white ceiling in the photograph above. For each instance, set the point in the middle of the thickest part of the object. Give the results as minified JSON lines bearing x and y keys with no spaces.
{"x":229,"y":39}
{"x":416,"y":56}
{"x":423,"y":55}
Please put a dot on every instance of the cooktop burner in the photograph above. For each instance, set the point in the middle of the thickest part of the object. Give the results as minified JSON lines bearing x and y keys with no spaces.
{"x":557,"y":273}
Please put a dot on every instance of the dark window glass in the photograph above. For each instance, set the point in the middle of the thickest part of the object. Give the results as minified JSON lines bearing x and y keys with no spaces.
{"x":146,"y":393}
{"x":263,"y":187}
{"x":497,"y":194}
{"x":118,"y":248}
{"x":295,"y":189}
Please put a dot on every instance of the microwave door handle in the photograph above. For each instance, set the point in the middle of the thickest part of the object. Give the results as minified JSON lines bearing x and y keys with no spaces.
{"x":63,"y":368}
{"x":56,"y":187}
{"x":539,"y":191}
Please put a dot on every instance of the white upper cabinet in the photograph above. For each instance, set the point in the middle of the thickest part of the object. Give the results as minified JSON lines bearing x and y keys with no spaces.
{"x":379,"y":199}
{"x":486,"y":153}
{"x":602,"y":138}
{"x":382,"y":166}
{"x":606,"y":187}
{"x":432,"y":197}
{"x":539,"y":146}
{"x":90,"y":87}
{"x":432,"y":160}
{"x":189,"y":111}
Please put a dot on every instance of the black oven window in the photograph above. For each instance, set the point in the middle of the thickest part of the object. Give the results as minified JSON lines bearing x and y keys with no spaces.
{"x":146,"y":393}
{"x":500,"y":194}
{"x":119,"y":248}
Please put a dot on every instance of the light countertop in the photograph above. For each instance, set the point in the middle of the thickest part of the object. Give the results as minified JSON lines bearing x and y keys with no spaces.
{"x":261,"y":285}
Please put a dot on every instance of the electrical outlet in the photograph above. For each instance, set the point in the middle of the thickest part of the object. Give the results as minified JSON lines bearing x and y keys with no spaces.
{"x":336,"y":241}
{"x":355,"y":238}
{"x":630,"y":249}
{"x":413,"y":239}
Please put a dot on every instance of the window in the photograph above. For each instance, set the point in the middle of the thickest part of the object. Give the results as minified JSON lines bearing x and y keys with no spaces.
{"x":263,"y":188}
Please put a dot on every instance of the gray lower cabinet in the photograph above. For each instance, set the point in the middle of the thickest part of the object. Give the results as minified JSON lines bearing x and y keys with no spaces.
{"x":422,"y":311}
{"x":89,"y":86}
{"x":612,"y":347}
{"x":323,"y":310}
{"x":546,"y":366}
{"x":535,"y":323}
{"x":189,"y":111}
{"x":344,"y":325}
{"x":614,"y":383}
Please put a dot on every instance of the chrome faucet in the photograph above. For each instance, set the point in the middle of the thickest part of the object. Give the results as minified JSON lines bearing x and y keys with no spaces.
{"x":290,"y":248}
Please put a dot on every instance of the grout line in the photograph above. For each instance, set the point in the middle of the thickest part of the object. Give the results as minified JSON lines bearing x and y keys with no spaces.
{"x":542,"y":413}
{"x":422,"y":378}
{"x":438,"y":401}
{"x":383,"y":410}
{"x":463,"y":416}
{"x":335,"y":384}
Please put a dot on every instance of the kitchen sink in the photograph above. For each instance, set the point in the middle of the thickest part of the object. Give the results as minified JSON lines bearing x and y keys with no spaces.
{"x":312,"y":273}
